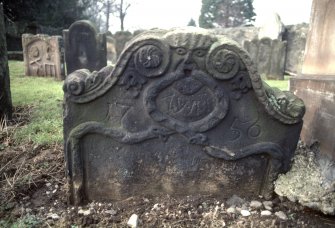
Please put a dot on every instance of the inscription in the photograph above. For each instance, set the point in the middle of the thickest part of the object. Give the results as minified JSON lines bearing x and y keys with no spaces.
{"x":187,"y":108}
{"x":117,"y":111}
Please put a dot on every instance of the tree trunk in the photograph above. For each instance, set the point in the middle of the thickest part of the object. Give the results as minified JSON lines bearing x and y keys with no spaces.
{"x":5,"y":96}
{"x":107,"y":14}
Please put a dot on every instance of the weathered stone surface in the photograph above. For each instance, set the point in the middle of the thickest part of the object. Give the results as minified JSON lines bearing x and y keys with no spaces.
{"x":311,"y":181}
{"x":84,"y":47}
{"x":183,"y":112}
{"x":5,"y":95}
{"x":269,"y":56}
{"x":42,"y":56}
{"x":305,"y":183}
{"x":316,"y":84}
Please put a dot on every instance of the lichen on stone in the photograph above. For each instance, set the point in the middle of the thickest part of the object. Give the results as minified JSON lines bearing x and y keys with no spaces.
{"x":306,"y":184}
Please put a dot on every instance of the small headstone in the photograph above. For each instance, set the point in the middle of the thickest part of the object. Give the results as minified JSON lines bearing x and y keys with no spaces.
{"x":5,"y":95}
{"x":273,"y":28}
{"x":84,"y":47}
{"x":269,"y":56}
{"x":42,"y":56}
{"x":182,"y":112}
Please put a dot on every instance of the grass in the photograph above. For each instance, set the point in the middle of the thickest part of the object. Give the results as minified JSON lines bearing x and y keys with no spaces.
{"x":280,"y":84}
{"x":45,"y":96}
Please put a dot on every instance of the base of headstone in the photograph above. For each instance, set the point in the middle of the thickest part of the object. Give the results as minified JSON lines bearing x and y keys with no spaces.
{"x":318,"y":93}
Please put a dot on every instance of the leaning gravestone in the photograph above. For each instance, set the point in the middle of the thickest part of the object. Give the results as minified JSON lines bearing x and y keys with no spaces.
{"x":5,"y":96}
{"x":84,"y":47}
{"x":269,"y":56}
{"x":42,"y":55}
{"x":183,"y":112}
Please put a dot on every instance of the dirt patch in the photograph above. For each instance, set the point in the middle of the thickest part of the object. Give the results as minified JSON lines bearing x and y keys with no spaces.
{"x":34,"y":194}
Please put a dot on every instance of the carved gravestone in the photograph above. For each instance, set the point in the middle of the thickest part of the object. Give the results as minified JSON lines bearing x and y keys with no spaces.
{"x":5,"y":95}
{"x":269,"y":56}
{"x":183,"y":112}
{"x":84,"y":47}
{"x":42,"y":56}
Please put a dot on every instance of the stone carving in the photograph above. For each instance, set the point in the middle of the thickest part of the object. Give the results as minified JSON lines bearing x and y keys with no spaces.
{"x":269,"y":56}
{"x":182,"y":112}
{"x":42,"y":55}
{"x":84,"y":47}
{"x":5,"y":95}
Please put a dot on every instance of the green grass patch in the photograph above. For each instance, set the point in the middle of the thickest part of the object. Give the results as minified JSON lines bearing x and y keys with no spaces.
{"x":280,"y":84}
{"x":45,"y":95}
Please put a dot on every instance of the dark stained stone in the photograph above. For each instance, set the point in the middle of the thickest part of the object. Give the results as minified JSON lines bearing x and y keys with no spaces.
{"x":183,"y":112}
{"x":84,"y":47}
{"x":5,"y":95}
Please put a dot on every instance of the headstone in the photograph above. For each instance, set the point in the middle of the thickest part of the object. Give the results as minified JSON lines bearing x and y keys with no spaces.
{"x":5,"y":95}
{"x":183,"y":112}
{"x":84,"y":47}
{"x":42,"y":56}
{"x":295,"y":37}
{"x":269,"y":56}
{"x":121,"y":39}
{"x":316,"y":84}
{"x":111,"y":51}
{"x":273,"y":28}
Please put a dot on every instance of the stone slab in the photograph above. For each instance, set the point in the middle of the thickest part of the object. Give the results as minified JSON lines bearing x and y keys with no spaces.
{"x":183,"y":112}
{"x":320,"y":45}
{"x":269,"y":56}
{"x":318,"y":93}
{"x":42,"y":55}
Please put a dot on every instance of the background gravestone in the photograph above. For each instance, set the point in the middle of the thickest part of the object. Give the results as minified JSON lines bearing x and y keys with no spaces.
{"x":183,"y":112}
{"x":269,"y":56}
{"x":84,"y":47}
{"x":5,"y":95}
{"x":42,"y":55}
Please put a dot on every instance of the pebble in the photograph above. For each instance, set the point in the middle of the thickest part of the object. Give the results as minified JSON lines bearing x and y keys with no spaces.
{"x":111,"y":212}
{"x":84,"y":212}
{"x":245,"y":213}
{"x":133,"y":221}
{"x":281,"y":215}
{"x":231,"y":210}
{"x":155,"y":207}
{"x":53,"y":216}
{"x":255,"y":204}
{"x":235,"y":201}
{"x":268,"y":205}
{"x":266,"y":213}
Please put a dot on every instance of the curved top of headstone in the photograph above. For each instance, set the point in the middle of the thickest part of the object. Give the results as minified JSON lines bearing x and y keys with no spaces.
{"x":153,"y":54}
{"x":86,"y":23}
